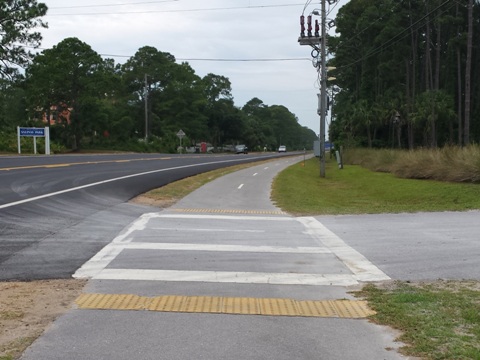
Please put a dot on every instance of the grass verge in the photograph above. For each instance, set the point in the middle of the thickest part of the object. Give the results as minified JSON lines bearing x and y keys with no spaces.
{"x":355,"y":190}
{"x":438,"y":320}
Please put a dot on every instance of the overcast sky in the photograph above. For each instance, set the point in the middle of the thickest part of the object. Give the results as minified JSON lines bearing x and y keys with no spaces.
{"x":204,"y":33}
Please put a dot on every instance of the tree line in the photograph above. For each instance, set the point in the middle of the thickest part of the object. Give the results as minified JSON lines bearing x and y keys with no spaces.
{"x":407,"y":73}
{"x":140,"y":104}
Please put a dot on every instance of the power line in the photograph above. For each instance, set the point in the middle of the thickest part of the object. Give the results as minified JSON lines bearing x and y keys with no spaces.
{"x":111,"y":5}
{"x":244,"y":60}
{"x":192,"y":59}
{"x":177,"y":10}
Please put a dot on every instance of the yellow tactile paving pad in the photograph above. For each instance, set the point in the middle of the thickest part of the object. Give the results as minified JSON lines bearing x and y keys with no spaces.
{"x":350,"y":309}
{"x":232,"y":211}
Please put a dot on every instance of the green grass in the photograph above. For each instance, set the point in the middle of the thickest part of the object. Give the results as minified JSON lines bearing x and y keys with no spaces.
{"x":439,"y":320}
{"x":14,"y":349}
{"x":355,"y":190}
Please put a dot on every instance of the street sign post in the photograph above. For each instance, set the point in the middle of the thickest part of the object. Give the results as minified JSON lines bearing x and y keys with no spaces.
{"x":34,"y":132}
{"x":181,"y":135}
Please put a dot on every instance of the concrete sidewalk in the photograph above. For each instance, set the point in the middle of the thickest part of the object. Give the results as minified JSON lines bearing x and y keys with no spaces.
{"x":223,"y":274}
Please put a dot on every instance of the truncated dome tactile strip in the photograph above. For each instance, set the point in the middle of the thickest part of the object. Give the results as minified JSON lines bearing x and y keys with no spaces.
{"x":350,"y":309}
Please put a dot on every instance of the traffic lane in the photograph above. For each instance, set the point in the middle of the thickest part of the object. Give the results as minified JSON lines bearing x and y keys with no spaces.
{"x":17,"y":162}
{"x":23,"y":182}
{"x":10,"y":163}
{"x":54,"y":245}
{"x":419,"y":246}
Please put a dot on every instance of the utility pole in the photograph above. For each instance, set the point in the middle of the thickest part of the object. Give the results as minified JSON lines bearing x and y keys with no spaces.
{"x":318,"y":42}
{"x":323,"y":89}
{"x":146,"y":108}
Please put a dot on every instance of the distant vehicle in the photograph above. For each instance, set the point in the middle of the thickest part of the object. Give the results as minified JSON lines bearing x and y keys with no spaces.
{"x":241,"y":149}
{"x":282,"y":148}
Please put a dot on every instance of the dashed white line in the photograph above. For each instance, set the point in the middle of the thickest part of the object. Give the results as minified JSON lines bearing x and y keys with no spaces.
{"x":241,"y":186}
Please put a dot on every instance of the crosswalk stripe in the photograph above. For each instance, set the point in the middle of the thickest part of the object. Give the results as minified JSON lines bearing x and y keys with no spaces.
{"x":228,"y":277}
{"x":222,"y":248}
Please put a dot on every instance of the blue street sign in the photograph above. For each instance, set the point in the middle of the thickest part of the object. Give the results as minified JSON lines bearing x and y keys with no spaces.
{"x":32,"y":132}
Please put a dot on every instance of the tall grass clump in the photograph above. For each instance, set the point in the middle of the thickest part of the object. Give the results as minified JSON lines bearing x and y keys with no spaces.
{"x":379,"y":160}
{"x":451,"y":163}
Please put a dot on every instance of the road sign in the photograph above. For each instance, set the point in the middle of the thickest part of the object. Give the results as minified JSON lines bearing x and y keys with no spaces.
{"x":34,"y":133}
{"x":40,"y":132}
{"x":181,"y":134}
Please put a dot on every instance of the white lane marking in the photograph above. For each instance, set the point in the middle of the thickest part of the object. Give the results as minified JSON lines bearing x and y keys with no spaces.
{"x":241,"y":186}
{"x":363,"y":269}
{"x":255,"y":174}
{"x":109,"y":181}
{"x":222,"y":248}
{"x":228,"y":277}
{"x":266,"y":168}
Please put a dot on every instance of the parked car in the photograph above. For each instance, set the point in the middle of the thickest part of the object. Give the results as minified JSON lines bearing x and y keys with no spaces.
{"x":282,"y":148}
{"x":241,"y":149}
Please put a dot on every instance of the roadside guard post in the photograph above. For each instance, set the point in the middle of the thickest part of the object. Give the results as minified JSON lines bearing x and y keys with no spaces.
{"x":34,"y":132}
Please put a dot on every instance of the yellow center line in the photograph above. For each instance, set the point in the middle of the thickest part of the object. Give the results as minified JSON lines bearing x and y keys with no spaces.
{"x":47,"y":166}
{"x":350,"y":309}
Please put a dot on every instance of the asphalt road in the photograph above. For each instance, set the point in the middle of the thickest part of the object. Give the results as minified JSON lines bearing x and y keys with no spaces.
{"x":58,"y":211}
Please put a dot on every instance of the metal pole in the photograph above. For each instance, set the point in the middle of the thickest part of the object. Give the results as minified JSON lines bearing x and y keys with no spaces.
{"x":18,"y":140}
{"x":146,"y":109}
{"x":323,"y":93}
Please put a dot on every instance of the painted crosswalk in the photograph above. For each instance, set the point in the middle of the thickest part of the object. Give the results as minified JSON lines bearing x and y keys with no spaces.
{"x":225,"y":248}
